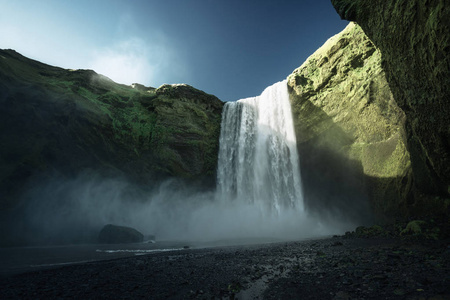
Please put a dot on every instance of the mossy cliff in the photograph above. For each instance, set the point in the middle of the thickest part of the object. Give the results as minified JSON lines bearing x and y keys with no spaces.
{"x":58,"y":121}
{"x":349,"y":129}
{"x":413,"y":37}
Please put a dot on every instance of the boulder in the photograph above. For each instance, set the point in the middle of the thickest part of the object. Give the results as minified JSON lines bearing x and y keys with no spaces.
{"x":414,"y":227}
{"x":113,"y":234}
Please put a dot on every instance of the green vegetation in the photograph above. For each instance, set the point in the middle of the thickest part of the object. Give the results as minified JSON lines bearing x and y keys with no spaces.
{"x":342,"y":104}
{"x":413,"y":37}
{"x":413,"y":227}
{"x":65,"y":121}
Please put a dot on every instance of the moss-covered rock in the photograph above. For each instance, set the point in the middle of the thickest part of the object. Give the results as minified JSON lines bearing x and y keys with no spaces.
{"x":372,"y":231}
{"x":58,"y":121}
{"x":413,"y":37}
{"x":413,"y":227}
{"x":350,"y":132}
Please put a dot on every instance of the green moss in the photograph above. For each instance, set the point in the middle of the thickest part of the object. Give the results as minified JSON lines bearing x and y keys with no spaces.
{"x":342,"y":104}
{"x":372,"y":231}
{"x":388,"y":158}
{"x":414,"y":41}
{"x":71,"y":120}
{"x":413,"y":227}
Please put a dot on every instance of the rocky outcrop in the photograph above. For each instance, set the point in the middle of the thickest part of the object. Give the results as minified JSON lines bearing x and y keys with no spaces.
{"x":58,"y":121}
{"x":413,"y":37}
{"x":114,"y":234}
{"x":350,"y":131}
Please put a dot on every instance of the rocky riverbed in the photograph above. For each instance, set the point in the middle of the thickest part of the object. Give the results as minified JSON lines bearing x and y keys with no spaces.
{"x":331,"y":268}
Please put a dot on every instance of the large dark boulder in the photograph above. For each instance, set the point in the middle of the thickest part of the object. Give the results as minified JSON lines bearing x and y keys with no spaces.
{"x":113,"y":234}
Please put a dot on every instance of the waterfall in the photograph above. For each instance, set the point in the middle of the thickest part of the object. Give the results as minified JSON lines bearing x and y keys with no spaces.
{"x":258,"y":161}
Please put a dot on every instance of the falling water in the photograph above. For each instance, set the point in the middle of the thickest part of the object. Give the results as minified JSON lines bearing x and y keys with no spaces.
{"x":258,"y":197}
{"x":258,"y":160}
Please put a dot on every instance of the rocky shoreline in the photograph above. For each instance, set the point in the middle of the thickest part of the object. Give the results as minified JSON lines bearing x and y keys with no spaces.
{"x":331,"y":268}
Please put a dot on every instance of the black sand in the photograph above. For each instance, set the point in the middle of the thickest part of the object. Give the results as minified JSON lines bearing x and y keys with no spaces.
{"x":334,"y":268}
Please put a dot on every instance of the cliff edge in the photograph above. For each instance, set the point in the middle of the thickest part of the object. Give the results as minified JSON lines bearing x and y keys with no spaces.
{"x":414,"y":40}
{"x":58,"y":122}
{"x":350,"y":131}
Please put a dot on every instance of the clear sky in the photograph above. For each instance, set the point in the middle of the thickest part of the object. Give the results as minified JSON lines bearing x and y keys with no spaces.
{"x":230,"y":48}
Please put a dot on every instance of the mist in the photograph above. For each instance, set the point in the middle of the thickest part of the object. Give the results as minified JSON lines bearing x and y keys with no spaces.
{"x":259,"y":191}
{"x":67,"y":211}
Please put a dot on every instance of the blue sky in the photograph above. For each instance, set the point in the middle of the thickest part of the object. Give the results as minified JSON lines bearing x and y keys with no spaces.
{"x":230,"y":48}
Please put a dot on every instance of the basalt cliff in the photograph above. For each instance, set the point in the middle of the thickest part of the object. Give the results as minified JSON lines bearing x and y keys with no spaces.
{"x":58,"y":122}
{"x":413,"y":38}
{"x":350,"y":131}
{"x":372,"y":111}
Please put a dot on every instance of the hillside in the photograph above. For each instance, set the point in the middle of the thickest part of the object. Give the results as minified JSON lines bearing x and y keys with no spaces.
{"x":58,"y":122}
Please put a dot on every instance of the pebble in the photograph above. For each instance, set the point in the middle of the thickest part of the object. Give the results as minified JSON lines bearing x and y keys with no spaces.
{"x":354,"y":269}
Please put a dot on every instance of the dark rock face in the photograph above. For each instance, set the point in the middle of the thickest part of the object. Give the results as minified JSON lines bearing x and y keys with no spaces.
{"x":57,"y":121}
{"x":414,"y":40}
{"x":350,"y":132}
{"x":113,"y":234}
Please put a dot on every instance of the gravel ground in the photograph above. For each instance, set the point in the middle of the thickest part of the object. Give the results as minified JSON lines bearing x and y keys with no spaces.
{"x":333,"y":268}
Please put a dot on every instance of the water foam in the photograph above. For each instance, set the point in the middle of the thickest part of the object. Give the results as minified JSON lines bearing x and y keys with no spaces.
{"x":258,"y":160}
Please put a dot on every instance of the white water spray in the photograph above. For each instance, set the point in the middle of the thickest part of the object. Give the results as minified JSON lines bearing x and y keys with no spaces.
{"x":259,"y":191}
{"x":258,"y":160}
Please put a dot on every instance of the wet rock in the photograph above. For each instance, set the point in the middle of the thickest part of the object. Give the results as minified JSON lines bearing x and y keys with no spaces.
{"x":413,"y":227}
{"x":320,"y":253}
{"x":399,"y":292}
{"x":113,"y":234}
{"x":341,"y":296}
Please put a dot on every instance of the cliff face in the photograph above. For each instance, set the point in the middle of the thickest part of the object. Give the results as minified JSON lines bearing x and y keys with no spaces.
{"x":414,"y":40}
{"x":57,"y":121}
{"x":349,"y":129}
